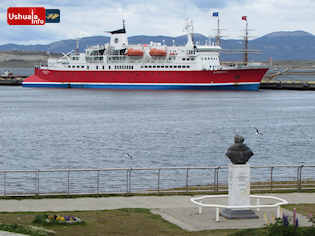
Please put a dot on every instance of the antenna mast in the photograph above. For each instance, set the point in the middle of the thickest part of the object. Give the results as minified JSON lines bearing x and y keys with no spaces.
{"x":77,"y":45}
{"x":124,"y":23}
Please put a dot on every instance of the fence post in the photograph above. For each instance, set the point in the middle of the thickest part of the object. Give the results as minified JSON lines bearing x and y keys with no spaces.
{"x":37,"y":182}
{"x":271,"y":177}
{"x":299,"y":177}
{"x":68,"y":180}
{"x":187,"y":176}
{"x":217,"y":178}
{"x":4,"y":183}
{"x":159,"y":176}
{"x":127,"y":181}
{"x":98,"y":182}
{"x":214,"y":178}
{"x":130,"y":180}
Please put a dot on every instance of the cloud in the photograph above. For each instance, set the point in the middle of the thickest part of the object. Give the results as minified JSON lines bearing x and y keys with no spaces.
{"x":159,"y":17}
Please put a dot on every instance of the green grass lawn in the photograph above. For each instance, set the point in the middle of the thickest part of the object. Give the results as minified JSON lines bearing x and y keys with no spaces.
{"x":135,"y":222}
{"x":112,"y":222}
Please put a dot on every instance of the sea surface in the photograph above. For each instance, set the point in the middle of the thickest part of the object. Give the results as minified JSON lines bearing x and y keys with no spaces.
{"x":44,"y":128}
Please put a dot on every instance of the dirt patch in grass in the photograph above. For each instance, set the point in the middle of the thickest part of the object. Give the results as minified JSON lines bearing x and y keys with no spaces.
{"x":112,"y":222}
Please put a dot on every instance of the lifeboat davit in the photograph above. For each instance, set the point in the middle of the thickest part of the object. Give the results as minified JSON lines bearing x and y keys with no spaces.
{"x":157,"y":52}
{"x":134,"y":52}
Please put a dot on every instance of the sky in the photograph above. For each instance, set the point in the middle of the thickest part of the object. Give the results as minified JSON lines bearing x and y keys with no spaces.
{"x":82,"y":18}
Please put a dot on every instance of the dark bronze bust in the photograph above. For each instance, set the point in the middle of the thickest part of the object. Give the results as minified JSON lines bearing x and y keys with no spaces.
{"x":239,"y":153}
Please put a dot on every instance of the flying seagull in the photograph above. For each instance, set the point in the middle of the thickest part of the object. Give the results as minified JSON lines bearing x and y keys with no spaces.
{"x":129,"y":155}
{"x":258,"y":132}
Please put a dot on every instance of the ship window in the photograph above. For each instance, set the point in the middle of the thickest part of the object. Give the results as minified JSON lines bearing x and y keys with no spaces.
{"x":183,"y":59}
{"x":179,"y":66}
{"x":175,"y":66}
{"x":109,"y":67}
{"x":96,"y":67}
{"x":145,"y":66}
{"x":87,"y":67}
{"x":73,"y":66}
{"x":171,"y":66}
{"x":187,"y":59}
{"x":154,"y":66}
{"x":192,"y":59}
{"x":103,"y":67}
{"x":162,"y":66}
{"x":82,"y":66}
{"x":69,"y":66}
{"x":157,"y":66}
{"x":116,"y":40}
{"x":166,"y":66}
{"x":150,"y":66}
{"x":132,"y":67}
{"x":183,"y":66}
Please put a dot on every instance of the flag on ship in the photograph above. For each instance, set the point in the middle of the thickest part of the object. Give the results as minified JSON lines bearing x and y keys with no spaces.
{"x":244,"y":18}
{"x":216,"y":14}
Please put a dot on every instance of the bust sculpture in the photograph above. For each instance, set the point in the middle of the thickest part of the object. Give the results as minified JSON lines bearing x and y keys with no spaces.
{"x":239,"y":153}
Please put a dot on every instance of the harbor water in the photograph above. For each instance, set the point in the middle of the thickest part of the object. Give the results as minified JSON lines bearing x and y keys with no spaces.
{"x":78,"y":128}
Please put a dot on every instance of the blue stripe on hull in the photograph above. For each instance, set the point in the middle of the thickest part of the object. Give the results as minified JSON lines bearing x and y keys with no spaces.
{"x":252,"y":87}
{"x":47,"y":85}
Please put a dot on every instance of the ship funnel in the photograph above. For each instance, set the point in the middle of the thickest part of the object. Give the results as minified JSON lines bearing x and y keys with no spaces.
{"x":118,"y":38}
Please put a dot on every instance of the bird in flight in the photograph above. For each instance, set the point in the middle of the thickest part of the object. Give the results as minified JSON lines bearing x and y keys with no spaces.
{"x":258,"y":132}
{"x":128,"y":155}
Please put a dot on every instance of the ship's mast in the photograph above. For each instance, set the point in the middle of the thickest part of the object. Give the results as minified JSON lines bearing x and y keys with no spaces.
{"x":245,"y":41}
{"x":218,"y":36}
{"x":218,"y":30}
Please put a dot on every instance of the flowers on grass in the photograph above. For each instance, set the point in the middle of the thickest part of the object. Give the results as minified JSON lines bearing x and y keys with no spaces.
{"x":57,"y":219}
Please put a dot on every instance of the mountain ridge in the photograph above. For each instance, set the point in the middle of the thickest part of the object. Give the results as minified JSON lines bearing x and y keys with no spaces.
{"x":292,"y":45}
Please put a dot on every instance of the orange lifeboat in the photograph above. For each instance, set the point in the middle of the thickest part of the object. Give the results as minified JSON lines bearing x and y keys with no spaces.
{"x":134,"y":52}
{"x":157,"y":52}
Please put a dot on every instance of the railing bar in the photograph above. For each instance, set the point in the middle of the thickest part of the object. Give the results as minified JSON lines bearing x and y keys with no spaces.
{"x":162,"y":168}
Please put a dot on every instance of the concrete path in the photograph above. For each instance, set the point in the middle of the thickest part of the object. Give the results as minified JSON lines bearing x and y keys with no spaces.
{"x":176,"y":209}
{"x":4,"y":233}
{"x":108,"y":203}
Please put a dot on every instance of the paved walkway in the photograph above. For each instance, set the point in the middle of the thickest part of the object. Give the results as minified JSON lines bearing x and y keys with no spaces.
{"x":176,"y":209}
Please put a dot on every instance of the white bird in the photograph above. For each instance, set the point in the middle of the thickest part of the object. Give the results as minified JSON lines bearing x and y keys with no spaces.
{"x":258,"y":132}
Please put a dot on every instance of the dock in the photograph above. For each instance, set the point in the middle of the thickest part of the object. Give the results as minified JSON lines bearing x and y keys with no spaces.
{"x":12,"y":80}
{"x":288,"y":85}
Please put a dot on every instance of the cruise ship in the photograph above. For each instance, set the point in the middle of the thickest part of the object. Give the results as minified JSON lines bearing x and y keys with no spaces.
{"x":120,"y":65}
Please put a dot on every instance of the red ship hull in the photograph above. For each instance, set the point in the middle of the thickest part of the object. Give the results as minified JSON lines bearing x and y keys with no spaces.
{"x":239,"y":79}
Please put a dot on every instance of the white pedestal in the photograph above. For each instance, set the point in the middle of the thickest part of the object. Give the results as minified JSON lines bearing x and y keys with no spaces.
{"x":239,"y":186}
{"x":239,"y":191}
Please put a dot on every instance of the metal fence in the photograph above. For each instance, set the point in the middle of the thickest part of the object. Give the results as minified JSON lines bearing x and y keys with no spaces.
{"x":149,"y":180}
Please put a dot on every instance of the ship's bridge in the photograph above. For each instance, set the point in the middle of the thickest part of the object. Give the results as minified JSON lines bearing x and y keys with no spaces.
{"x":208,"y":57}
